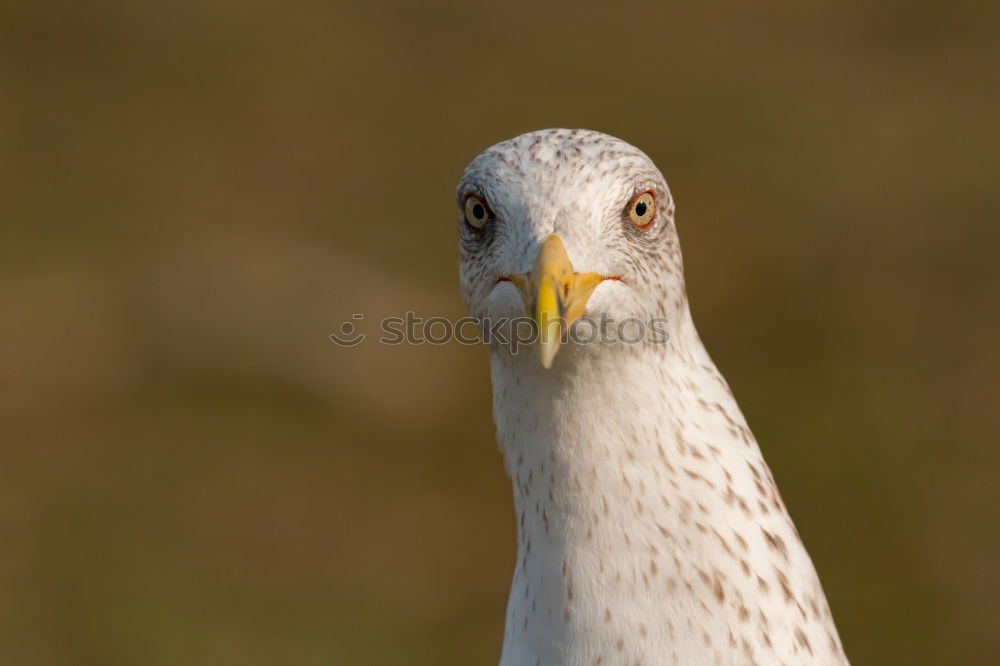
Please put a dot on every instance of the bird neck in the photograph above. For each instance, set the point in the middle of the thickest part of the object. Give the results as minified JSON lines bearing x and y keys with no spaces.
{"x":630,"y":468}
{"x":592,"y":445}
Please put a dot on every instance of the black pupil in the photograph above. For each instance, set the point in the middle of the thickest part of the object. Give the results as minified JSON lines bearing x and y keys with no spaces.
{"x":478,"y":211}
{"x":640,"y":209}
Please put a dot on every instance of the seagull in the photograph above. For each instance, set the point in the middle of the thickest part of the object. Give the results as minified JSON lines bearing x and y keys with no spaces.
{"x":649,"y":528}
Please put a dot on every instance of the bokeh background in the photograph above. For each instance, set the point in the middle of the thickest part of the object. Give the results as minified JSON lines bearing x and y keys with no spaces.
{"x":193,"y":195}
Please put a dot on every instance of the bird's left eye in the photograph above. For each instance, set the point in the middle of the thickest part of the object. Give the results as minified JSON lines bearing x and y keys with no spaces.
{"x":476,"y":212}
{"x":642,"y":210}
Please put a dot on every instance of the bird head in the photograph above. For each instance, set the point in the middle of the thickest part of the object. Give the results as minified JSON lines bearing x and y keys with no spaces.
{"x":569,"y":230}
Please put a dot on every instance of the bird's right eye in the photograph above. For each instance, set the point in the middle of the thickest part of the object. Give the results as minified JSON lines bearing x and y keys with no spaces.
{"x":476,"y":212}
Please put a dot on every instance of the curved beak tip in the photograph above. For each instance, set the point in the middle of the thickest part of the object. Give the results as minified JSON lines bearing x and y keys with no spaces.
{"x":548,"y":354}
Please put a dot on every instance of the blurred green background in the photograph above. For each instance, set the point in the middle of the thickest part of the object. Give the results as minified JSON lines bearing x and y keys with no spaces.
{"x":193,"y":195}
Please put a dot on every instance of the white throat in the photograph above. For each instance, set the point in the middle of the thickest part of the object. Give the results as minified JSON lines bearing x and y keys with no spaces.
{"x":649,"y":527}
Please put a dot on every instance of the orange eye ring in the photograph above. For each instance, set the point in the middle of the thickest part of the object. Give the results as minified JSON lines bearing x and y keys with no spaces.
{"x":642,"y":210}
{"x":477,"y":213}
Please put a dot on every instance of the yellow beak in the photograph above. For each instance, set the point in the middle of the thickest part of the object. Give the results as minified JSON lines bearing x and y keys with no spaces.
{"x":554,"y":295}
